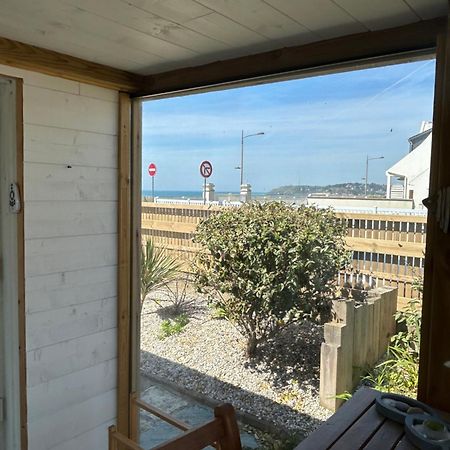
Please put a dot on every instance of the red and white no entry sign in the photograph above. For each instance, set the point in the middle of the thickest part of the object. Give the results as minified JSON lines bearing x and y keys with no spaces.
{"x":152,"y":170}
{"x":205,"y":169}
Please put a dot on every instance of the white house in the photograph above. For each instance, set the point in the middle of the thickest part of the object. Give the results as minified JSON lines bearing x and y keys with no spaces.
{"x":409,"y":178}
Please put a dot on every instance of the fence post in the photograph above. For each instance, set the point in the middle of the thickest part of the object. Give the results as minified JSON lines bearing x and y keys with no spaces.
{"x":336,"y":355}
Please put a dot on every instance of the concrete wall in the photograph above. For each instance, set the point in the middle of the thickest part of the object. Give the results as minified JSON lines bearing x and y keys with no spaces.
{"x":70,"y":193}
{"x":354,"y":341}
{"x":420,"y":187}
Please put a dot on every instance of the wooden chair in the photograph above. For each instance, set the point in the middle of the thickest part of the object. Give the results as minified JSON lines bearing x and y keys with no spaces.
{"x":222,"y":432}
{"x":117,"y":440}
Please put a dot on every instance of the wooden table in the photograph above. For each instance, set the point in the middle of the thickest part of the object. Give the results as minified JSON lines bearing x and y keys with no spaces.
{"x":357,"y":425}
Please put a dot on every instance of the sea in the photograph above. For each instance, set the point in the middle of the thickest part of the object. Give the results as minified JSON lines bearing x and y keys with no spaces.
{"x":193,"y":195}
{"x":228,"y":196}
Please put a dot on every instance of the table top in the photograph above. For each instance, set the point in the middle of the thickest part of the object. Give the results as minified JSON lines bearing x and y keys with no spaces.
{"x":357,"y":425}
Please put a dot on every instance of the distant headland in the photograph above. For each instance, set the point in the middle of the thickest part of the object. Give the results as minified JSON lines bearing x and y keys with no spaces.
{"x":342,"y":189}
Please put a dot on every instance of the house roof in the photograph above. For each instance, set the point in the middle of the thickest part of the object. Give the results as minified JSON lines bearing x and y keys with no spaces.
{"x":417,"y":139}
{"x":151,"y":36}
{"x":415,"y":162}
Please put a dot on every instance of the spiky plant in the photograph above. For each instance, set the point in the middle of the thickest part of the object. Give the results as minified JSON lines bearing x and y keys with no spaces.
{"x":158,"y":268}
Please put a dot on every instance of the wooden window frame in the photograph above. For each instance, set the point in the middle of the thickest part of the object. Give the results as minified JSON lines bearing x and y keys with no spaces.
{"x":402,"y":44}
{"x":129,"y":248}
{"x":434,"y":367}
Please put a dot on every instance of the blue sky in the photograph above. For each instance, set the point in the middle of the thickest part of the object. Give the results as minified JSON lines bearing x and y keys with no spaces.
{"x":317,"y":130}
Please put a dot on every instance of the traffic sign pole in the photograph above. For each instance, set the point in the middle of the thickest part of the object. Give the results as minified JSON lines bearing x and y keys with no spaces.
{"x":204,"y":190}
{"x":205,"y":171}
{"x":152,"y":173}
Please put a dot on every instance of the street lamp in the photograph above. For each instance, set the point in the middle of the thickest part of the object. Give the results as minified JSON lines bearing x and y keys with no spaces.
{"x":367,"y":170}
{"x":241,"y":167}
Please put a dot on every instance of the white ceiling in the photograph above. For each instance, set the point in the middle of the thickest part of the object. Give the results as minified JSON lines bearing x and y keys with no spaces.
{"x":150,"y":36}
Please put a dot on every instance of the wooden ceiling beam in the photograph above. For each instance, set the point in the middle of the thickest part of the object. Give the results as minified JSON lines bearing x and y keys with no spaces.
{"x":30,"y":57}
{"x":362,"y":46}
{"x":295,"y":60}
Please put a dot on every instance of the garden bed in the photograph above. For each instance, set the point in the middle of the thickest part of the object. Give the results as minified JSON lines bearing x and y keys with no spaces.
{"x":279,"y":386}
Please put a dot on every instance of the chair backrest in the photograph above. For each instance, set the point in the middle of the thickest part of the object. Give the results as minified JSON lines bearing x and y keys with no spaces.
{"x":222,"y":431}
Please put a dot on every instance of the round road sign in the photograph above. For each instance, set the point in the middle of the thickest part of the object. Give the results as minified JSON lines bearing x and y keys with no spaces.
{"x":152,"y":170}
{"x":206,"y":169}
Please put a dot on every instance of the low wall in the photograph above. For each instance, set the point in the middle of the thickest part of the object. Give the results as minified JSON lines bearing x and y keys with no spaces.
{"x":355,"y":340}
{"x":358,"y":202}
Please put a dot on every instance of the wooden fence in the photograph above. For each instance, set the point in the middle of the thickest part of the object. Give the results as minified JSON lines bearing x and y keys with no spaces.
{"x":356,"y":339}
{"x":387,"y":249}
{"x":173,"y":226}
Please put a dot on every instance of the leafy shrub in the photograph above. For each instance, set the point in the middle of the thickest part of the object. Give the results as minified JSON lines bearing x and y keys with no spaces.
{"x":170,"y":327}
{"x":398,"y":373}
{"x":157,"y":268}
{"x":268,"y":265}
{"x":410,"y":320}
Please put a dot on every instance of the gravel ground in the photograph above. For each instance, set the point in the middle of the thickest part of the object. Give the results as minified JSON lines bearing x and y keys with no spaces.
{"x":279,"y":386}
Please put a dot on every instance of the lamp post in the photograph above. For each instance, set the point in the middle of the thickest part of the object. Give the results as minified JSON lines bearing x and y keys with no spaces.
{"x":241,"y":167}
{"x":367,"y":171}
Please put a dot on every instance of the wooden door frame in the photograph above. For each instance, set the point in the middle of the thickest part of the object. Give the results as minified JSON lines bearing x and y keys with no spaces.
{"x":20,"y":254}
{"x":21,"y":266}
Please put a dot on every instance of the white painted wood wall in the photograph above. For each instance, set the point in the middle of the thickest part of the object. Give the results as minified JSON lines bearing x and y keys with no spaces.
{"x":70,"y":193}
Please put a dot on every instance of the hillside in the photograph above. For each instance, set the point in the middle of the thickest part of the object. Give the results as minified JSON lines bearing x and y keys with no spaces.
{"x":343,"y":189}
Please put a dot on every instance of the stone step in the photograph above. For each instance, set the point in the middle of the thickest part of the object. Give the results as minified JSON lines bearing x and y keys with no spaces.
{"x":154,"y":431}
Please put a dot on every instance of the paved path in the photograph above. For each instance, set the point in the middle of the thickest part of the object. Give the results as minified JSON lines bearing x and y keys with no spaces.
{"x":154,"y":431}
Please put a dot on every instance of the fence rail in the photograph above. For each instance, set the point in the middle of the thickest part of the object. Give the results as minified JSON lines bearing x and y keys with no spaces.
{"x":387,"y":249}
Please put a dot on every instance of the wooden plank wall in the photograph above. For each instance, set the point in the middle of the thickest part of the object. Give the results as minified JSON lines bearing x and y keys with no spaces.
{"x":70,"y":204}
{"x":386,"y":249}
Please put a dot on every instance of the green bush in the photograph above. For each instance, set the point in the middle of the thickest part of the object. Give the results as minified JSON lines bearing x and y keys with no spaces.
{"x":268,"y":265}
{"x":399,"y":372}
{"x":170,"y":327}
